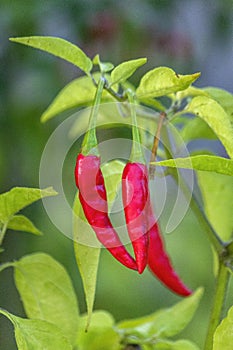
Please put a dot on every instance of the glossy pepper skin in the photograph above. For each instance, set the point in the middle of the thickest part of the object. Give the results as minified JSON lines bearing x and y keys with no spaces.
{"x":135,"y":195}
{"x":144,"y":231}
{"x":159,"y":261}
{"x":93,"y":197}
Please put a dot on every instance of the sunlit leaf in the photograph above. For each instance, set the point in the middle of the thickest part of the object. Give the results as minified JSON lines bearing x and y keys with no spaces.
{"x":217,"y":193}
{"x":163,"y":81}
{"x":223,"y":337}
{"x":223,"y":97}
{"x":216,"y":117}
{"x":201,"y":162}
{"x":20,"y":197}
{"x":60,"y":48}
{"x":47,"y":292}
{"x":104,"y":66}
{"x":125,"y":69}
{"x":163,"y":323}
{"x":100,"y":335}
{"x":175,"y":345}
{"x":37,"y":334}
{"x":196,"y":129}
{"x":112,"y":172}
{"x":22,"y":223}
{"x":191,"y":91}
{"x":79,"y":92}
{"x":86,"y":254}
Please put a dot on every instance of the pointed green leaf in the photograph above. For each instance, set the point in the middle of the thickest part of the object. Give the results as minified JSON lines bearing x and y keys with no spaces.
{"x":196,"y":129}
{"x":216,"y":117}
{"x":79,"y":92}
{"x":20,"y":197}
{"x":104,"y":66}
{"x":223,"y":336}
{"x":47,"y":292}
{"x":22,"y":223}
{"x":60,"y":48}
{"x":217,"y":194}
{"x":201,"y":162}
{"x":163,"y":81}
{"x":124,"y":70}
{"x":163,"y":323}
{"x":37,"y":334}
{"x":223,"y":97}
{"x":87,"y":255}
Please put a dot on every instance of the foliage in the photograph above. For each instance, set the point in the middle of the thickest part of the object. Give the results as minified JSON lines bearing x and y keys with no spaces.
{"x":45,"y":288}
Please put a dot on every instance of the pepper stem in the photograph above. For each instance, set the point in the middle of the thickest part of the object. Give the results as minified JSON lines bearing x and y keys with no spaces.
{"x":136,"y":151}
{"x":162,"y":116}
{"x":90,"y":139}
{"x":219,"y":299}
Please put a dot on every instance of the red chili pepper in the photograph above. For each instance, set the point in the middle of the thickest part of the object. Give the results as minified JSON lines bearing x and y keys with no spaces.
{"x":93,"y":197}
{"x":135,"y":196}
{"x":159,"y":262}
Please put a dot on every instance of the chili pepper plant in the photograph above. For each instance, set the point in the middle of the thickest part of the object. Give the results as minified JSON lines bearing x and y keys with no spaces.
{"x":162,"y":114}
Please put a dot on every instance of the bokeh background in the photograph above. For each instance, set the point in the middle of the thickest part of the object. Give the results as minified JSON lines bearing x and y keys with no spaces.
{"x":189,"y":36}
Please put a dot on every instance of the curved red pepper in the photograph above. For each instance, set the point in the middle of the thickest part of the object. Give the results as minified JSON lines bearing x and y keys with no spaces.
{"x":135,"y":196}
{"x":93,"y":197}
{"x":159,"y":262}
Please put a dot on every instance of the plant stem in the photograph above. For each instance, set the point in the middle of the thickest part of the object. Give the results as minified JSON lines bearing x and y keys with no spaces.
{"x":90,"y":140}
{"x":155,"y":144}
{"x":3,"y":232}
{"x":218,"y":304}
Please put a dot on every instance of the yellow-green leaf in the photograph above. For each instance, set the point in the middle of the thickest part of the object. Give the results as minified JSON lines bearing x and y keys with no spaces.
{"x":47,"y":292}
{"x":223,"y":336}
{"x":217,"y":193}
{"x":60,"y":48}
{"x":87,"y":255}
{"x":163,"y":81}
{"x":124,"y":70}
{"x":215,"y":116}
{"x":201,"y":162}
{"x":79,"y":92}
{"x":223,"y":97}
{"x":37,"y":334}
{"x":163,"y":323}
{"x":22,"y":223}
{"x":20,"y":197}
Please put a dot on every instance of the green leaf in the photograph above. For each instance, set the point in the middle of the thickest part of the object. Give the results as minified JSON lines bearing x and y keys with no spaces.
{"x":217,"y":194}
{"x":60,"y":48}
{"x":87,"y":255}
{"x":175,"y":345}
{"x":223,"y":336}
{"x":195,"y":129}
{"x":223,"y":97}
{"x":79,"y":92}
{"x":20,"y":197}
{"x":37,"y":334}
{"x":112,"y":172}
{"x":104,"y":66}
{"x":216,"y":117}
{"x":163,"y":81}
{"x":163,"y":323}
{"x":22,"y":223}
{"x":100,"y":335}
{"x":124,"y":70}
{"x":191,"y":91}
{"x":201,"y":162}
{"x":47,"y":292}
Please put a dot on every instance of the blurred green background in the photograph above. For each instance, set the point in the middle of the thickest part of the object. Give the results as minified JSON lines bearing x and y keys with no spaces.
{"x":188,"y":36}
